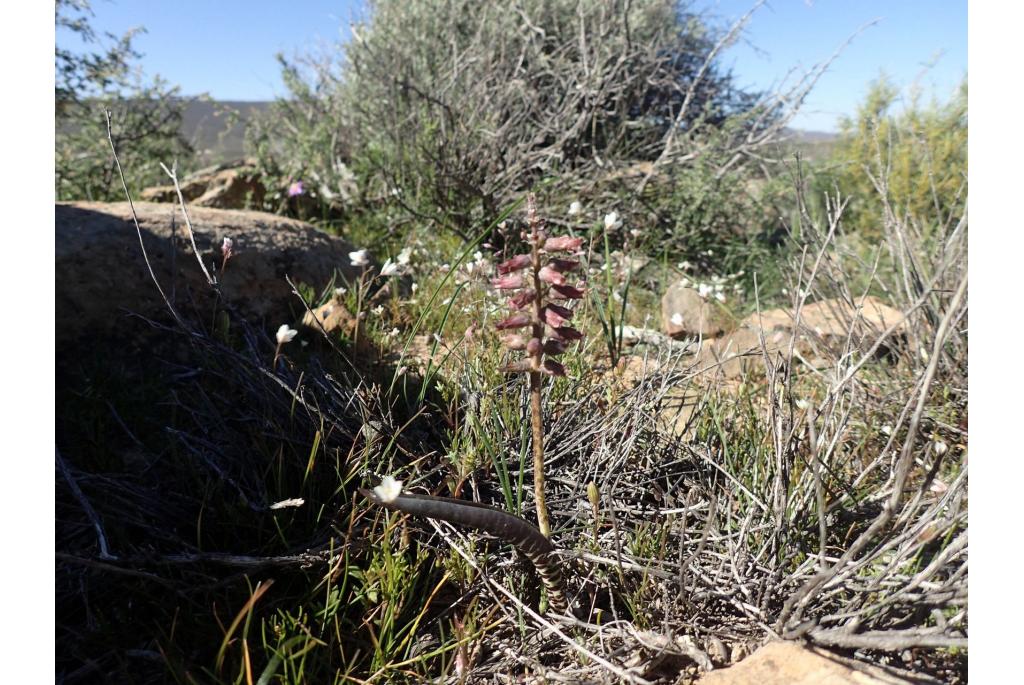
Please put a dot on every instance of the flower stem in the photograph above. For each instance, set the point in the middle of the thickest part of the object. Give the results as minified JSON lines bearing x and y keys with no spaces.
{"x":536,"y":416}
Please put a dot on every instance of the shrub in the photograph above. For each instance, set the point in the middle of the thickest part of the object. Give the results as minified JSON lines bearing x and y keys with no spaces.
{"x":450,"y":110}
{"x":917,"y":159}
{"x":146,"y":116}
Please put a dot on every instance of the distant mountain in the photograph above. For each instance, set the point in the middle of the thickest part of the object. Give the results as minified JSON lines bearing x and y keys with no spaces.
{"x":206,"y":126}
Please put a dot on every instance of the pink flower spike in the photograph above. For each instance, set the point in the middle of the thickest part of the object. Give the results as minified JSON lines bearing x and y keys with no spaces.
{"x":567,"y":292}
{"x":566,"y":333}
{"x":552,"y":318}
{"x":552,"y":346}
{"x":522,"y":299}
{"x":514,"y":321}
{"x":549,"y":275}
{"x":534,"y":347}
{"x":514,"y":342}
{"x":563,"y":265}
{"x":561,"y":311}
{"x":517,"y":263}
{"x":553,"y":368}
{"x":562,"y":243}
{"x":508,"y":282}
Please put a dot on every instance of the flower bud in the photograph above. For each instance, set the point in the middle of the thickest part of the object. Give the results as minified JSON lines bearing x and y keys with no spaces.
{"x":514,"y":321}
{"x":534,"y":347}
{"x":522,"y":299}
{"x":567,"y":292}
{"x":562,"y":243}
{"x":508,"y":282}
{"x":565,"y":333}
{"x":514,"y":342}
{"x":549,"y":275}
{"x":563,"y":265}
{"x":553,"y":368}
{"x":515,"y":264}
{"x":561,"y":311}
{"x":552,"y":346}
{"x":551,"y":317}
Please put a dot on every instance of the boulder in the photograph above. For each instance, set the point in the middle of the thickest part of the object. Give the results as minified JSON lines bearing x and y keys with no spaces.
{"x":824,"y":327}
{"x":101,"y":274}
{"x":684,"y":313}
{"x":789,"y":663}
{"x":236,"y":185}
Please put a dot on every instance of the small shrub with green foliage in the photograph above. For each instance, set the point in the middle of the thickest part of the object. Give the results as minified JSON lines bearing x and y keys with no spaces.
{"x":921,"y":153}
{"x":146,"y":116}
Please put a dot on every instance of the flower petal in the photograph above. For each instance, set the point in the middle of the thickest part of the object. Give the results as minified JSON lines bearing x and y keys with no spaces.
{"x":562,"y":243}
{"x":568,"y":292}
{"x":508,"y":282}
{"x":515,"y":264}
{"x":514,"y":321}
{"x":553,"y":368}
{"x":566,"y":333}
{"x":522,"y":299}
{"x":550,"y":275}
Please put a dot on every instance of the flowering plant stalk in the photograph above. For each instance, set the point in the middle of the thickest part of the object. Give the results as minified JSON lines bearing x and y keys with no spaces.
{"x":547,"y":322}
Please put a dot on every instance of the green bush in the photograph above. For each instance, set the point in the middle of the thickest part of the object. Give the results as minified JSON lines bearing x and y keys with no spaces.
{"x":146,"y":116}
{"x":921,"y":153}
{"x":449,"y":109}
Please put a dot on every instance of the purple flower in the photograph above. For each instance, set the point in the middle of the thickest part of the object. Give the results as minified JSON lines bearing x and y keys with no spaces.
{"x":296,"y":188}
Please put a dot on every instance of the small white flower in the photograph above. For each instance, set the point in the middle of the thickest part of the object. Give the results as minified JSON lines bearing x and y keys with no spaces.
{"x":340,"y":291}
{"x":720,"y":296}
{"x":286,"y":503}
{"x":404,"y":256}
{"x":940,"y":447}
{"x":616,"y":296}
{"x":285,"y":334}
{"x":389,"y":268}
{"x":677,"y":319}
{"x":388,"y":490}
{"x":684,"y":266}
{"x":478,"y":256}
{"x":612,"y":221}
{"x":886,"y":430}
{"x":575,"y":209}
{"x":378,"y":310}
{"x":394,"y":333}
{"x":704,"y":290}
{"x":359,"y":258}
{"x":415,"y":287}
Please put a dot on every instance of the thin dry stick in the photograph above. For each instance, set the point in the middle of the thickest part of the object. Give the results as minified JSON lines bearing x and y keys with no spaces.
{"x":188,"y":222}
{"x":138,"y":230}
{"x":86,"y":506}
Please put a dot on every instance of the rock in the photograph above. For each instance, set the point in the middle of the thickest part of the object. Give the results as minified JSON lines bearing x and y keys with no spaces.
{"x":823,"y":328}
{"x":684,"y":313}
{"x":101,"y":274}
{"x":789,"y":663}
{"x":228,"y":186}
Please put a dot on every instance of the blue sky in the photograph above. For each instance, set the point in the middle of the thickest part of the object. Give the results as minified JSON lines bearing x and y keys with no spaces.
{"x":226,"y":48}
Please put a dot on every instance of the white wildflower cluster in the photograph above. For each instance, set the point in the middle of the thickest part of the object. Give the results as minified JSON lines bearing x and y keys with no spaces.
{"x":480,"y":264}
{"x":714,"y":287}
